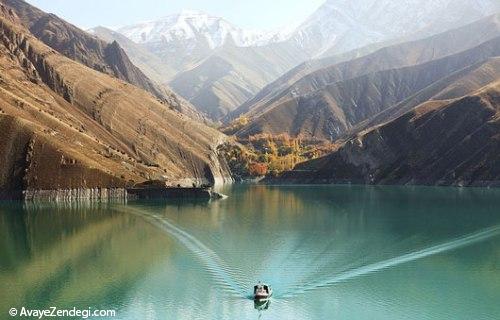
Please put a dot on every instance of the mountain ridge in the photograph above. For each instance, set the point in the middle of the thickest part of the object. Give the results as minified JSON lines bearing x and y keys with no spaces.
{"x":104,"y":56}
{"x":314,"y":88}
{"x":398,"y":55}
{"x":66,"y":126}
{"x":438,"y":143}
{"x":188,"y":42}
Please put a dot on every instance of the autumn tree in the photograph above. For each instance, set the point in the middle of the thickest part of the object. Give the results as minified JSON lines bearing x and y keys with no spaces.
{"x":257,"y":169}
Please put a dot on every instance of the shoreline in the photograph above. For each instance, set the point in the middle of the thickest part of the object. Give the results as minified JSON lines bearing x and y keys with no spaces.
{"x":105,"y":194}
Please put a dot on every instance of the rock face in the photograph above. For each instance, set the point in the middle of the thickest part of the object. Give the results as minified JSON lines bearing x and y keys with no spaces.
{"x":80,"y":46}
{"x":158,"y":190}
{"x":192,"y":42}
{"x":79,"y":194}
{"x":65,"y":126}
{"x":231,"y":75}
{"x":335,"y":109}
{"x":316,"y":74}
{"x":152,"y":67}
{"x":439,"y":143}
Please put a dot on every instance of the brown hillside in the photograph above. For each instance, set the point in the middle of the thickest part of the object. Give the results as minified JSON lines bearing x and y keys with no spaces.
{"x":440,"y":142}
{"x":81,"y":46}
{"x":336,"y":109}
{"x":67,"y":126}
{"x":316,"y":74}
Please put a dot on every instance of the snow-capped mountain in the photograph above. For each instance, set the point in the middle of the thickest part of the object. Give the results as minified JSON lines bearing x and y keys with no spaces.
{"x":190,"y":25}
{"x":342,"y":25}
{"x":217,"y":65}
{"x":337,"y":26}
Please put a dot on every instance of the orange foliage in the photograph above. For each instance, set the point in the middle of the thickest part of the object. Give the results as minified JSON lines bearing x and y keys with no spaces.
{"x":257,"y":169}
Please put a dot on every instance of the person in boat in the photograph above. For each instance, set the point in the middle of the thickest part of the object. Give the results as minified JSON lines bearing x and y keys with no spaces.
{"x":262,"y":291}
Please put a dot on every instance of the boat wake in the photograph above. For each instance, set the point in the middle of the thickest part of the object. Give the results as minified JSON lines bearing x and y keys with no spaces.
{"x":224,"y":276}
{"x":389,"y":263}
{"x":234,"y":284}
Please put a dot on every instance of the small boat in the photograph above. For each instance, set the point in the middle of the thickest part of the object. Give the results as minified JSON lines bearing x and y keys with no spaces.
{"x":261,"y":305}
{"x":262,"y":291}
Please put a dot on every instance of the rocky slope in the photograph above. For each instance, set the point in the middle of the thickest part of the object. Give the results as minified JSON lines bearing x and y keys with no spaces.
{"x":152,"y":67}
{"x":232,"y":75}
{"x":193,"y":43}
{"x":149,"y":63}
{"x":343,"y":25}
{"x":314,"y":74}
{"x":442,"y":142}
{"x":106,"y":56}
{"x":66,"y":126}
{"x":80,"y":46}
{"x":335,"y":109}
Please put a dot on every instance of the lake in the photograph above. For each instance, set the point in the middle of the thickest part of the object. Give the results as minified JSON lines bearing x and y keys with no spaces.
{"x":329,"y":252}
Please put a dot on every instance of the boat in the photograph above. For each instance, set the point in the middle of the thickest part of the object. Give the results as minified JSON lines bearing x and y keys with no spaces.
{"x":261,"y":305}
{"x":262,"y":291}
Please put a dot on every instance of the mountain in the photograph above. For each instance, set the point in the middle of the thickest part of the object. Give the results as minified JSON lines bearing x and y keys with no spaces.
{"x":313,"y":74}
{"x":441,"y":142}
{"x":103,"y":56}
{"x":193,"y":25}
{"x":216,"y":61}
{"x":152,"y":67}
{"x":81,"y":46}
{"x":187,"y":37}
{"x":65,"y":126}
{"x":343,"y":25}
{"x":149,"y":63}
{"x":327,"y":102}
{"x":217,"y":65}
{"x":232,"y":75}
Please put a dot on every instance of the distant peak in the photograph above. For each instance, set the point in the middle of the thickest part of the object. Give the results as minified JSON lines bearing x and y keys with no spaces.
{"x":192,"y":25}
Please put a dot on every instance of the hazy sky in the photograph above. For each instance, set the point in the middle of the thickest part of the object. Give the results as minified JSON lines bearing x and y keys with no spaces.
{"x":256,"y":14}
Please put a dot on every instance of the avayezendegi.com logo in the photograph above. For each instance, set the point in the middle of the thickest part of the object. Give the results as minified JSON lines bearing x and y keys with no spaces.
{"x":56,"y":312}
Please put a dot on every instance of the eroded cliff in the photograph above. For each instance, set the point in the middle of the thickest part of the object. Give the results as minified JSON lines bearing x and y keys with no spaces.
{"x":67,"y":126}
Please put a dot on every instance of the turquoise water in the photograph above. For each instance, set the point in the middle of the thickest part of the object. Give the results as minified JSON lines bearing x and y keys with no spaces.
{"x":330,"y":252}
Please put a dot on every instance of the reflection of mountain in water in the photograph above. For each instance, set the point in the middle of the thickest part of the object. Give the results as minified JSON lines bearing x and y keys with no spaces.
{"x":347,"y":251}
{"x":78,"y":256}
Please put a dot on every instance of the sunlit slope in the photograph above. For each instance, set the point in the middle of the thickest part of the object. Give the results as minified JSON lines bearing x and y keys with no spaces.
{"x":316,"y":74}
{"x":443,"y":142}
{"x":87,"y":117}
{"x":334,"y":109}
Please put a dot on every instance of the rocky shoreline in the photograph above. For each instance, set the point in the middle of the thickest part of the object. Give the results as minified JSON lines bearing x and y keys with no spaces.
{"x":64,"y":195}
{"x":108,"y":194}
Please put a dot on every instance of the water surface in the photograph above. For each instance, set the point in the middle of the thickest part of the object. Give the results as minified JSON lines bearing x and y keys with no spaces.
{"x":330,"y":252}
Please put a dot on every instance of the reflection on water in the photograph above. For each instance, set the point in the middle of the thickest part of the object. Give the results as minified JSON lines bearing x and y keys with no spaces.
{"x":223,"y":274}
{"x":78,"y":256}
{"x":329,"y":252}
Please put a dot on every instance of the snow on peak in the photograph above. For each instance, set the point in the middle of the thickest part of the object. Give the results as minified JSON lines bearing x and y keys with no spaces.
{"x":345,"y":24}
{"x":193,"y":25}
{"x":348,"y":24}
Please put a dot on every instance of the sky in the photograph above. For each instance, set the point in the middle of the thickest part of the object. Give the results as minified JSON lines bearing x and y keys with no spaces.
{"x":249,"y":14}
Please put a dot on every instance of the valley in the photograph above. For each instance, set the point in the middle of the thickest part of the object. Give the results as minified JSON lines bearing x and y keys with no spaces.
{"x":305,"y":159}
{"x":192,"y":99}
